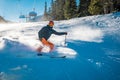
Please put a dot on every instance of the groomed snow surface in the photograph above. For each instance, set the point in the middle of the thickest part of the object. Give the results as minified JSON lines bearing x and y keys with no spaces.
{"x":92,"y":47}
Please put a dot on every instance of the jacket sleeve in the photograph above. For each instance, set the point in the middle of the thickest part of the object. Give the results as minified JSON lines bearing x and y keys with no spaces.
{"x":58,"y":33}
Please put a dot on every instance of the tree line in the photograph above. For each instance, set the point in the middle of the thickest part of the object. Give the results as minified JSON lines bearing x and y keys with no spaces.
{"x":67,"y":9}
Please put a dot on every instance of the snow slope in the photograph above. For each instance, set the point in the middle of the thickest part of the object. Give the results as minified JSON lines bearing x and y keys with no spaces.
{"x":92,"y":50}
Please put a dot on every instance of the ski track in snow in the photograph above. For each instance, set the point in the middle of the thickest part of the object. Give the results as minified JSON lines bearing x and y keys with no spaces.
{"x":90,"y":29}
{"x":27,"y":34}
{"x":22,"y":38}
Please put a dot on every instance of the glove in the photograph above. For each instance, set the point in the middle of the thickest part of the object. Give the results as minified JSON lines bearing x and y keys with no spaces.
{"x":65,"y":33}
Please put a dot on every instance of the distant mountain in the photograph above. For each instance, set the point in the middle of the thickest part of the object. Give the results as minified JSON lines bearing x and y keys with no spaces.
{"x":2,"y":20}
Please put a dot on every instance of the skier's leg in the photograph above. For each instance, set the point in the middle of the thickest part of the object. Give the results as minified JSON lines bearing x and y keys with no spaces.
{"x":45,"y":42}
{"x":39,"y":49}
{"x":51,"y":46}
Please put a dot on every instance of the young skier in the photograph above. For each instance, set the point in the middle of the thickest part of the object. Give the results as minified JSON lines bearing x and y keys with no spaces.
{"x":45,"y":33}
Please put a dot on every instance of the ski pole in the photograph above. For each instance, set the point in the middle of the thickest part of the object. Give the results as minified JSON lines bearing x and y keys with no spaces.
{"x":65,"y":41}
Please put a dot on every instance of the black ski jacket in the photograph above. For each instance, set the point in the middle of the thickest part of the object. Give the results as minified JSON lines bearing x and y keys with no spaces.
{"x":47,"y":31}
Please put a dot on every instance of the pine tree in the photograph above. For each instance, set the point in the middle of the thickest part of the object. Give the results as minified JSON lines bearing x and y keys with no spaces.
{"x":67,"y":9}
{"x":73,"y":8}
{"x":49,"y":11}
{"x":63,"y":9}
{"x":53,"y":10}
{"x":45,"y":11}
{"x":59,"y":9}
{"x":116,"y":5}
{"x":83,"y":8}
{"x":107,"y":6}
{"x":95,"y":7}
{"x":70,"y":9}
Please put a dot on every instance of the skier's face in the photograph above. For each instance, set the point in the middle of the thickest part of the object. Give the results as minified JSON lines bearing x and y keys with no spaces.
{"x":51,"y":24}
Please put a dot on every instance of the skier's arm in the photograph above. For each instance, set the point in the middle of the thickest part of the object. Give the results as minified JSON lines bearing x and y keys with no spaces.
{"x":59,"y":33}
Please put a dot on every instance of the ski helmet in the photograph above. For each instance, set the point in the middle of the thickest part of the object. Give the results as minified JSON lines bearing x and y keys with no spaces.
{"x":51,"y":22}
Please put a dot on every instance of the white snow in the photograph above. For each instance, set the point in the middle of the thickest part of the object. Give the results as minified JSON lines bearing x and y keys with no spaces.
{"x":16,"y":68}
{"x":1,"y":44}
{"x":85,"y":33}
{"x":66,"y":51}
{"x":19,"y":67}
{"x":89,"y":29}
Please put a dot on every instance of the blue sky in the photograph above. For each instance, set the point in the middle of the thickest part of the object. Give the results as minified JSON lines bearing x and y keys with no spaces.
{"x":11,"y":9}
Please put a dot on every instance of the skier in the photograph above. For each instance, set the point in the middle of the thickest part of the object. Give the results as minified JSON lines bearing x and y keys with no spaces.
{"x":45,"y":33}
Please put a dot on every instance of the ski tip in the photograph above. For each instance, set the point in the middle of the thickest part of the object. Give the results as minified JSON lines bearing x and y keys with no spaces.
{"x":64,"y":57}
{"x":58,"y":57}
{"x":51,"y":56}
{"x":39,"y":54}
